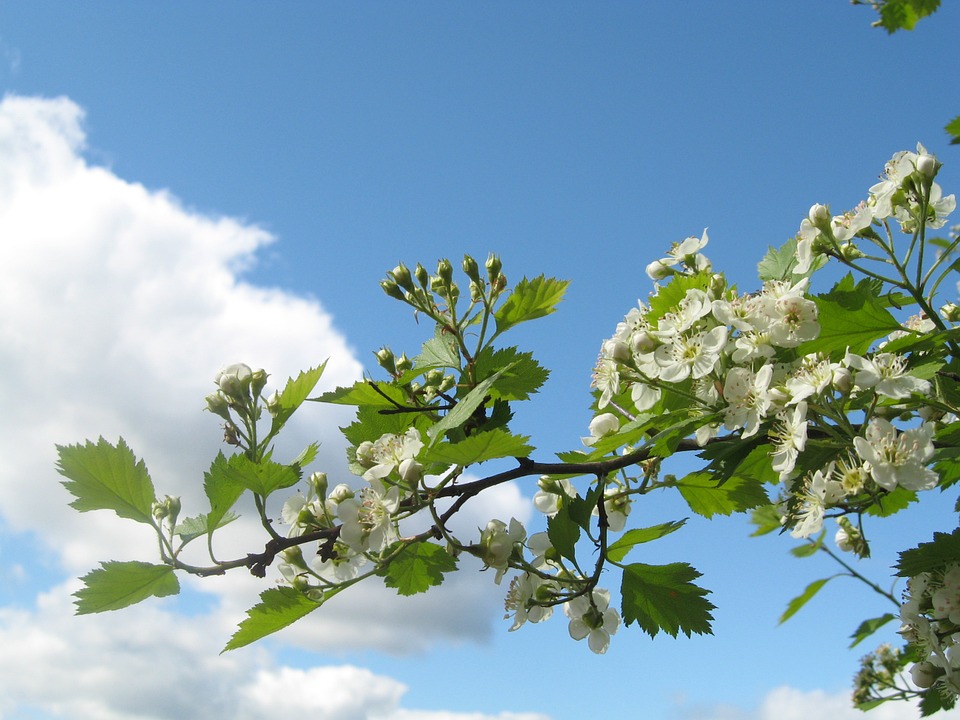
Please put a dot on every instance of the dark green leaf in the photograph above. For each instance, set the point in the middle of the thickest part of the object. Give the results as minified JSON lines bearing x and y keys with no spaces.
{"x":107,"y":477}
{"x":480,"y":447}
{"x":464,"y":408}
{"x":529,"y":300}
{"x":418,"y":567}
{"x":293,"y":395}
{"x":522,"y":375}
{"x":869,"y":627}
{"x":222,"y":490}
{"x":663,"y":597}
{"x":798,"y":602}
{"x":708,"y":498}
{"x":278,"y":608}
{"x":564,"y":533}
{"x":630,"y":539}
{"x":892,"y":502}
{"x":943,"y":550}
{"x":120,"y":584}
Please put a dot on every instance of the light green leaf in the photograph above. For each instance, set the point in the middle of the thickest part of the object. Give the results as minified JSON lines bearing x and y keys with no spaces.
{"x":365,"y":392}
{"x":851,"y":316}
{"x":943,"y":550}
{"x":869,"y":627}
{"x":803,"y":598}
{"x":193,"y":527}
{"x":523,"y":378}
{"x":953,"y":129}
{"x":480,"y":447}
{"x":663,"y":597}
{"x":708,"y":498}
{"x":107,"y":477}
{"x":293,"y":395}
{"x":120,"y":584}
{"x":418,"y":567}
{"x":222,"y":490}
{"x":278,"y":608}
{"x":778,"y":263}
{"x":464,"y":408}
{"x":263,"y":477}
{"x":438,"y":352}
{"x":630,"y":539}
{"x":529,"y":300}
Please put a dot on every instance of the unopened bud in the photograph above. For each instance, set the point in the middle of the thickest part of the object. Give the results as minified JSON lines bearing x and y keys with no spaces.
{"x":273,"y":403}
{"x":387,"y":360}
{"x":318,"y":484}
{"x":849,"y":251}
{"x":217,"y":404}
{"x":234,"y":381}
{"x":403,"y":364}
{"x":258,"y":379}
{"x":410,"y":471}
{"x":471,"y":269}
{"x":401,"y":275}
{"x":657,"y":270}
{"x":927,"y":166}
{"x":493,"y":266}
{"x":423,"y":277}
{"x":819,"y":216}
{"x":445,"y":271}
{"x":950,"y":312}
{"x":392,"y":289}
{"x":447,"y":383}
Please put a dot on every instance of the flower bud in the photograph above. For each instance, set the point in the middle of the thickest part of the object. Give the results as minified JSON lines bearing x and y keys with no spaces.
{"x":445,"y":271}
{"x":423,"y":277}
{"x":234,"y":381}
{"x":924,"y":674}
{"x":657,"y":270}
{"x":318,"y":484}
{"x":410,"y":471}
{"x":842,"y":380}
{"x":447,"y":383}
{"x":387,"y":360}
{"x":476,"y":291}
{"x":493,"y":266}
{"x":364,"y":454}
{"x":643,"y":342}
{"x":616,"y":349}
{"x":849,"y":251}
{"x":258,"y":379}
{"x":273,"y":403}
{"x":403,"y":364}
{"x":340,"y":493}
{"x":604,"y":424}
{"x":471,"y":269}
{"x":927,"y":166}
{"x":217,"y":404}
{"x":950,"y":312}
{"x":392,"y":289}
{"x":401,"y":275}
{"x":819,"y":216}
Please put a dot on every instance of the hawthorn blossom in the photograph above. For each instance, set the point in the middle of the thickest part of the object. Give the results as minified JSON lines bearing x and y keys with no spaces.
{"x":551,"y":495}
{"x":497,"y":542}
{"x":686,"y":252}
{"x":819,"y":492}
{"x":748,"y":398}
{"x":602,"y":425}
{"x":616,"y":506}
{"x":789,"y":435}
{"x":592,"y":617}
{"x":525,"y":590}
{"x":886,"y":373}
{"x":367,"y":518}
{"x":690,"y":356}
{"x":897,"y":458}
{"x":388,"y":452}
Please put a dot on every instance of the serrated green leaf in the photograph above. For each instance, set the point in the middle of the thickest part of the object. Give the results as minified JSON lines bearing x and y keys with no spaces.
{"x":278,"y":608}
{"x":308,"y":455}
{"x":767,"y":519}
{"x":707,"y":498}
{"x":892,"y":502}
{"x":480,"y":447}
{"x":803,"y":598}
{"x":193,"y":527}
{"x":778,"y":263}
{"x":869,"y":627}
{"x":464,"y":408}
{"x":294,"y":393}
{"x":663,"y":597}
{"x":564,"y":533}
{"x":851,"y":316}
{"x":107,"y":477}
{"x":222,"y":490}
{"x":365,"y":392}
{"x":438,"y":352}
{"x":529,"y":300}
{"x":263,"y":477}
{"x":943,"y":550}
{"x":418,"y":567}
{"x":120,"y":584}
{"x":522,"y":377}
{"x":953,"y":129}
{"x":670,"y":295}
{"x":630,"y":539}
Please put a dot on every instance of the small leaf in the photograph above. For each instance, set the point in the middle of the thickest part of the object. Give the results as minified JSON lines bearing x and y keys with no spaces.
{"x":480,"y":447}
{"x":630,"y":539}
{"x":263,"y":477}
{"x":663,"y":597}
{"x":523,"y":378}
{"x":564,"y":533}
{"x":529,"y":300}
{"x":418,"y":567}
{"x":439,"y":352}
{"x":707,"y":498}
{"x":193,"y":527}
{"x":120,"y":584}
{"x":953,"y":129}
{"x":278,"y":608}
{"x":809,"y":548}
{"x":222,"y":490}
{"x":365,"y":392}
{"x":293,"y":395}
{"x":803,"y":598}
{"x":869,"y":627}
{"x":465,"y":408}
{"x":107,"y":477}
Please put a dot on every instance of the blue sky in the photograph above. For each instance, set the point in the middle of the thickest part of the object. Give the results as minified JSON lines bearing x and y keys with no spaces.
{"x":186,"y":185}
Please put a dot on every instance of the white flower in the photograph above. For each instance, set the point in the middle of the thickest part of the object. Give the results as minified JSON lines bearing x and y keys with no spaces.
{"x":686,"y":252}
{"x":525,"y":590}
{"x":693,"y":356}
{"x":367,"y":518}
{"x":602,"y":425}
{"x":887,"y":374}
{"x":345,"y":564}
{"x":606,"y":379}
{"x":616,"y":506}
{"x":592,"y":618}
{"x":819,"y":493}
{"x":388,"y":452}
{"x":790,"y":438}
{"x":746,"y":393}
{"x":551,"y":495}
{"x":894,"y":458}
{"x":497,"y":542}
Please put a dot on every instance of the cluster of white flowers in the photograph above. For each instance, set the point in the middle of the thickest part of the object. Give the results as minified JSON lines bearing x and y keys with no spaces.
{"x":931,"y":621}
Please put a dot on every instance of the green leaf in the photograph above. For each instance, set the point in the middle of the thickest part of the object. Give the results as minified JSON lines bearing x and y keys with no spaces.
{"x":522,"y":375}
{"x":809,"y":548}
{"x":418,"y":567}
{"x":869,"y":627}
{"x":708,"y":498}
{"x":193,"y":527}
{"x":263,"y":477}
{"x":529,"y":300}
{"x":851,"y":317}
{"x":120,"y":584}
{"x":222,"y":490}
{"x":278,"y":608}
{"x":293,"y":395}
{"x":630,"y":539}
{"x":365,"y":392}
{"x":480,"y":447}
{"x":663,"y":597}
{"x":107,"y":477}
{"x":943,"y":550}
{"x":778,"y":263}
{"x":438,"y":352}
{"x":904,"y":14}
{"x":464,"y":408}
{"x":803,"y":598}
{"x":564,"y":533}
{"x":891,"y":502}
{"x":953,"y":129}
{"x":670,"y":295}
{"x":767,"y":519}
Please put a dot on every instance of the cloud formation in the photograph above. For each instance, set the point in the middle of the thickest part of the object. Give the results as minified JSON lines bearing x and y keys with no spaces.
{"x":117,"y":305}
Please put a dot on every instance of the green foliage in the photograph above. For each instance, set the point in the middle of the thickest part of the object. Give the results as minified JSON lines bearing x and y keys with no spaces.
{"x":117,"y":585}
{"x":222,"y":490}
{"x":365,"y":392}
{"x":278,"y":608}
{"x":663,"y":597}
{"x":293,"y":395}
{"x":478,"y":448}
{"x":107,"y":477}
{"x":903,"y":14}
{"x":943,"y":550}
{"x":564,"y":533}
{"x":530,"y":299}
{"x":417,"y":567}
{"x":869,"y":627}
{"x":953,"y":129}
{"x":261,"y":478}
{"x":637,"y":536}
{"x":465,"y":408}
{"x":193,"y":527}
{"x":707,"y":496}
{"x":803,"y":598}
{"x":520,"y":375}
{"x":851,"y":317}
